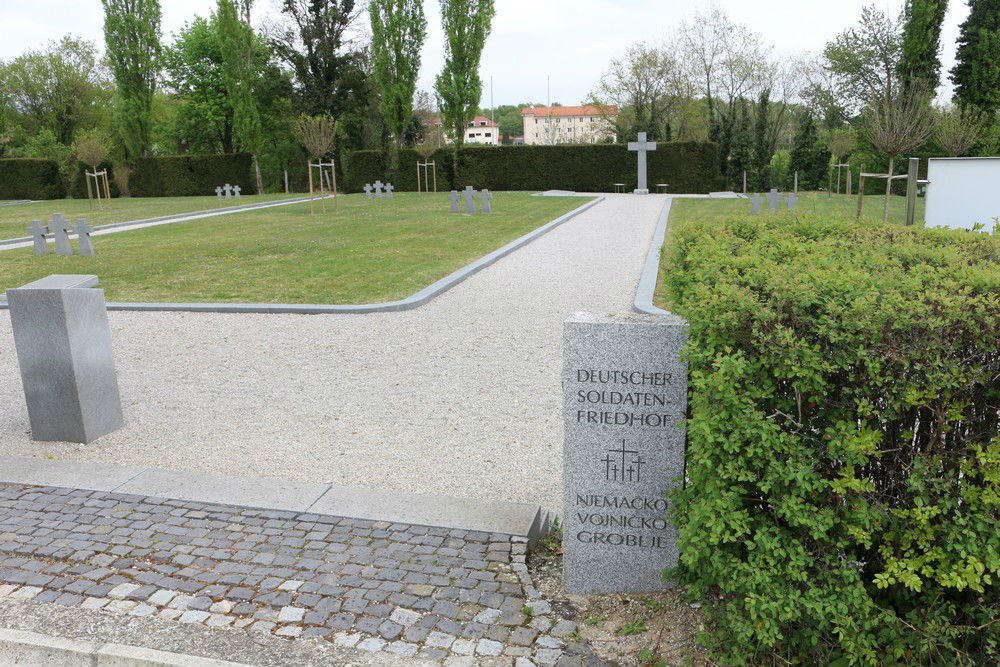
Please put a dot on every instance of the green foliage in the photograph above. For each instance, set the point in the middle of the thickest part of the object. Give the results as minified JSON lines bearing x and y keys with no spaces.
{"x":190,"y":175}
{"x":78,"y":182}
{"x":809,"y":157}
{"x":684,"y":166}
{"x":763,"y":149}
{"x":865,"y":59}
{"x":976,"y":73}
{"x":60,"y":89}
{"x":635,"y":627}
{"x":132,"y":41}
{"x":26,"y":178}
{"x":398,"y":32}
{"x":919,"y":60}
{"x":780,"y":173}
{"x":843,"y":457}
{"x":742,"y":151}
{"x":237,"y":40}
{"x":466,"y":25}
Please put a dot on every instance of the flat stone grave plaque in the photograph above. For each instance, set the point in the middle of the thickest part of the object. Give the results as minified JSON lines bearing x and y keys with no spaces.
{"x":625,"y":396}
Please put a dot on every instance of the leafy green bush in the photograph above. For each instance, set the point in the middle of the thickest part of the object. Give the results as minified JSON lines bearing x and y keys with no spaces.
{"x":78,"y":190}
{"x":843,"y":461}
{"x":190,"y":175}
{"x":685,"y":166}
{"x":29,"y":178}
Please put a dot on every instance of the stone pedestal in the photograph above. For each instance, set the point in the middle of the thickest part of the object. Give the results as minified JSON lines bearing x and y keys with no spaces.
{"x":64,"y":352}
{"x":625,"y":395}
{"x":643,"y":191}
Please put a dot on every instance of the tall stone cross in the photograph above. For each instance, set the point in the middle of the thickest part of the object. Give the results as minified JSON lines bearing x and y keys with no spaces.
{"x":756,"y":200}
{"x":453,"y":198}
{"x":236,"y":191}
{"x":773,"y":198}
{"x":368,"y":191}
{"x":228,"y":190}
{"x":791,"y":200}
{"x":470,"y":202}
{"x":378,"y":189}
{"x":37,"y":231}
{"x":83,"y":230}
{"x":58,"y":227}
{"x":640,"y":147}
{"x":388,"y":190}
{"x":484,"y":199}
{"x":218,"y":192}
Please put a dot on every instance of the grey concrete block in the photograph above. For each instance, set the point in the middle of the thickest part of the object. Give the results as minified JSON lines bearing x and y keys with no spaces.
{"x":625,"y":396}
{"x":63,"y":345}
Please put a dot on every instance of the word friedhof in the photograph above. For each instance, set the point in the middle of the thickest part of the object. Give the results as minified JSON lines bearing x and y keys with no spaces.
{"x":625,"y":394}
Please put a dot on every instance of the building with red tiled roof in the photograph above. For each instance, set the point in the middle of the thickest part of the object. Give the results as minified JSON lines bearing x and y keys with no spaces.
{"x":586,"y":124}
{"x":482,"y":130}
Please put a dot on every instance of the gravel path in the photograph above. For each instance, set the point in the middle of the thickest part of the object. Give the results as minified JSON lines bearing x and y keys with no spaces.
{"x":459,"y":397}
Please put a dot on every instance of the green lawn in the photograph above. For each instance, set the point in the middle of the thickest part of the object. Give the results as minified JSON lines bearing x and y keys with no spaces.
{"x":809,"y":202}
{"x":683,"y":211}
{"x":369,"y":252}
{"x":15,"y":220}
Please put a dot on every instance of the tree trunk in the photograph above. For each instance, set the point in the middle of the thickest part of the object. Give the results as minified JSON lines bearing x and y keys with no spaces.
{"x":260,"y":181}
{"x":888,"y":189}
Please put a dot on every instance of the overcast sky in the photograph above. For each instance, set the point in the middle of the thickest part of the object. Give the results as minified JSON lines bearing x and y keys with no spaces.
{"x":571,"y":40}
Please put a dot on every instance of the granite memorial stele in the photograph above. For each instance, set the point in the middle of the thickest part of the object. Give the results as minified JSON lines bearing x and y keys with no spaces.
{"x":625,"y":396}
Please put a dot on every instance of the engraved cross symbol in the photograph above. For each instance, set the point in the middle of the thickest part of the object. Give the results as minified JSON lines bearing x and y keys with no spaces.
{"x":622,"y":465}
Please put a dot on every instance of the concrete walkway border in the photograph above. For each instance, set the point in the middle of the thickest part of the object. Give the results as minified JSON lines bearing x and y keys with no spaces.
{"x":176,"y":217}
{"x":416,"y":300}
{"x":651,"y":269}
{"x":31,"y":649}
{"x":517,"y":519}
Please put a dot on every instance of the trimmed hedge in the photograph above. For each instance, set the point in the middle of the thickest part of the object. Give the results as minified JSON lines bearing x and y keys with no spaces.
{"x":190,"y":175}
{"x":29,"y":178}
{"x":689,"y":167}
{"x":842,"y":504}
{"x":78,"y":190}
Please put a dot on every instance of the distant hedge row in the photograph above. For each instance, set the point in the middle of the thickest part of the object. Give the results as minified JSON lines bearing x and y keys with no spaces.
{"x":684,"y":166}
{"x":78,"y":189}
{"x":190,"y":175}
{"x":28,"y":178}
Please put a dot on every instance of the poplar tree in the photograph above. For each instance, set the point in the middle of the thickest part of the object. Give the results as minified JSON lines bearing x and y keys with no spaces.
{"x":976,"y":74}
{"x":236,"y":36}
{"x":919,"y":60}
{"x":762,"y":147}
{"x":132,"y":41}
{"x":398,"y":32}
{"x":740,"y":157}
{"x":466,"y":26}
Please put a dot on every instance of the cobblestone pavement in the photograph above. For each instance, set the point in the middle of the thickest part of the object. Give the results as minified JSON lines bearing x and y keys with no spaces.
{"x":457,"y":597}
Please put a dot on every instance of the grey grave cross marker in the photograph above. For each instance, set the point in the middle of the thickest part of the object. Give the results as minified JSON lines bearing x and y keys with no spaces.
{"x":83,"y":230}
{"x":388,"y":190}
{"x":378,"y":189}
{"x":218,"y":192}
{"x":470,"y":203}
{"x":228,"y":190}
{"x":453,"y":198}
{"x":773,"y":198}
{"x":236,"y":191}
{"x":756,"y":200}
{"x":791,"y":200}
{"x":640,"y":147}
{"x":58,"y":227}
{"x":484,"y":199}
{"x":37,"y":231}
{"x":368,"y":191}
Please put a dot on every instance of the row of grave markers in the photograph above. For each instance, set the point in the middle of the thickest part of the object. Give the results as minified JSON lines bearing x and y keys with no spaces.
{"x":470,"y":196}
{"x":774,"y":198}
{"x":379,"y":187}
{"x":229,"y":190}
{"x":59,"y":227}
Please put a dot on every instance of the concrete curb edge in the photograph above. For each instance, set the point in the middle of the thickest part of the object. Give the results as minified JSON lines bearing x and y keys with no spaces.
{"x":31,"y":648}
{"x":651,"y":269}
{"x":523,"y":520}
{"x":414,"y":301}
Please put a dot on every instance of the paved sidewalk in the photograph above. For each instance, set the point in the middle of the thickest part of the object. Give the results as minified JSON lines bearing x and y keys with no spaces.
{"x":453,"y":597}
